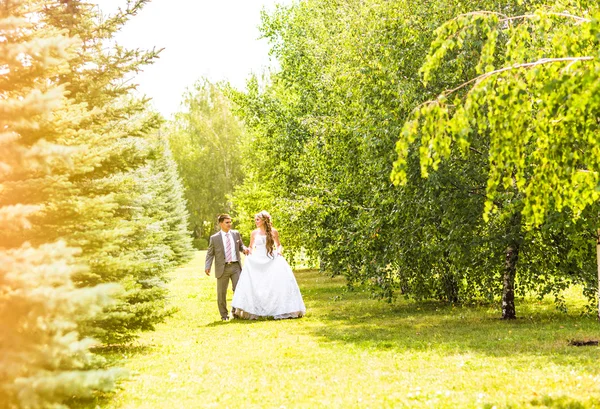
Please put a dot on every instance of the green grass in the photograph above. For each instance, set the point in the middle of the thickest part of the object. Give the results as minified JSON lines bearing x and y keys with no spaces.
{"x":354,"y":352}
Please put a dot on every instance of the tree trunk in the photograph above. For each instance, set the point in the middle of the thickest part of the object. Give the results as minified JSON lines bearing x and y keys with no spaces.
{"x":449,"y":288}
{"x":508,"y":290}
{"x":598,"y":264}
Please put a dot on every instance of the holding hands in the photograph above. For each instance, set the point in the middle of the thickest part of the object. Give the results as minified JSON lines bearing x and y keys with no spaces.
{"x":245,"y":250}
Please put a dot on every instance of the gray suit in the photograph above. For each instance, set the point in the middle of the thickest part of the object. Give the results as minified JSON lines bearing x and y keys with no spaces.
{"x":224,"y":272}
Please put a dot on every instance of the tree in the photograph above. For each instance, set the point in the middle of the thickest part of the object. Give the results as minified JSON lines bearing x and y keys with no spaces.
{"x":205,"y":140}
{"x":109,"y":203}
{"x":45,"y":361}
{"x":321,"y":133}
{"x":106,"y":202}
{"x":534,"y":98}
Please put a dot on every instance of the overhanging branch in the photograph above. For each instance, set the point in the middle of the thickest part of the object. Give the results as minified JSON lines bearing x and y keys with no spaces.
{"x":515,"y":67}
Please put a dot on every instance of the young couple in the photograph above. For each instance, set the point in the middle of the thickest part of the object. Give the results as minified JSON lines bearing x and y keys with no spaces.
{"x":265,"y":286}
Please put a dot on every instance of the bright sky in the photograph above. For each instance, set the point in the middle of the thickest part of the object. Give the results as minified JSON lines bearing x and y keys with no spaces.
{"x":217,"y":39}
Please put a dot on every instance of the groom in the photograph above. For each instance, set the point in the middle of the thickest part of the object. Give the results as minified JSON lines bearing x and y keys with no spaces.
{"x":224,"y":247}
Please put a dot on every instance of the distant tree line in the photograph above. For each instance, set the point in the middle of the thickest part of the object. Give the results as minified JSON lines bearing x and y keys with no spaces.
{"x":206,"y":139}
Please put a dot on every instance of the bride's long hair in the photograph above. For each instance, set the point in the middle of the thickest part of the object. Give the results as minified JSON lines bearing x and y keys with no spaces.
{"x":266,"y":218}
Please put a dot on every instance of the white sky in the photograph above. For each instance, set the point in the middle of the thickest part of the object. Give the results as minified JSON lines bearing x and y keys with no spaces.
{"x":217,"y":39}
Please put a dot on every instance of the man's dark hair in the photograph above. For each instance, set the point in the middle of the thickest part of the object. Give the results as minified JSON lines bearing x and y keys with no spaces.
{"x":223,"y":217}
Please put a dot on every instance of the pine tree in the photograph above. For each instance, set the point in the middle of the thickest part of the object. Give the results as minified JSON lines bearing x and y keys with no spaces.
{"x":44,"y":361}
{"x":170,"y":205}
{"x":102,"y":203}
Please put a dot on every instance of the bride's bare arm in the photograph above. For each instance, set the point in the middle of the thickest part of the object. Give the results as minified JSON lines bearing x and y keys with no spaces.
{"x":251,"y":245}
{"x":278,"y":245}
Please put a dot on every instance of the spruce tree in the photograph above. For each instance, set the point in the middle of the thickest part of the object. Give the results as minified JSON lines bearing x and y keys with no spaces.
{"x":44,"y":361}
{"x":103,"y":203}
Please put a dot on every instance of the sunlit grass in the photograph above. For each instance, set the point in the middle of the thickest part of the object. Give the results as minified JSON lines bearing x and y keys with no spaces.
{"x":354,"y":352}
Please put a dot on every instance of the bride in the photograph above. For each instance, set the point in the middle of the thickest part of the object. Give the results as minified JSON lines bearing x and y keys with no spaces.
{"x":267,"y":286}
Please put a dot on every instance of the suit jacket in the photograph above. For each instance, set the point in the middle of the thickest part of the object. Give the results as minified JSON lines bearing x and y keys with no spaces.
{"x":216,"y":251}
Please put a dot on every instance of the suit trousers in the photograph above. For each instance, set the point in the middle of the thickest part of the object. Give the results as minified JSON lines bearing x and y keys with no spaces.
{"x":230,"y":272}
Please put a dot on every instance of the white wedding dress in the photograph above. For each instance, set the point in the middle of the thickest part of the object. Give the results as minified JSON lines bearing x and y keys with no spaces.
{"x":267,"y":287}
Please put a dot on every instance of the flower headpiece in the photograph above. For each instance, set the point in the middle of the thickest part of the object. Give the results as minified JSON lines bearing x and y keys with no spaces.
{"x":264,"y":215}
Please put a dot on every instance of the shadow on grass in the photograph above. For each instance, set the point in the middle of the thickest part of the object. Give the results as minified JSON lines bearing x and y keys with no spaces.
{"x":240,"y":321}
{"x":129,"y":349}
{"x":564,"y":402}
{"x":357,"y":319}
{"x":115,"y":355}
{"x":99,"y":400}
{"x":232,"y":322}
{"x":217,"y":323}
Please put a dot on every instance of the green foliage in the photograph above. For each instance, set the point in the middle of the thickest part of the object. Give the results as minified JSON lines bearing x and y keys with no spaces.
{"x":323,"y":132}
{"x":168,"y":209}
{"x":45,"y":360}
{"x":151,"y":239}
{"x":205,"y":139}
{"x":200,"y":244}
{"x":118,"y":198}
{"x":535,"y":104}
{"x":539,"y":109}
{"x":121,"y":201}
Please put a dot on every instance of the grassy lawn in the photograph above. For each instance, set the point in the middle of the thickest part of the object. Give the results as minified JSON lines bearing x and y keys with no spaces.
{"x":354,"y":352}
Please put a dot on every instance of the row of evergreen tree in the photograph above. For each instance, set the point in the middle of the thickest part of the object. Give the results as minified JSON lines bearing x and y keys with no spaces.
{"x":91,"y":207}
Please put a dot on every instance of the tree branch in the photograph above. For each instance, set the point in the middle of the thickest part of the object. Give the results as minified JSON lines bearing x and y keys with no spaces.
{"x":506,"y":18}
{"x":476,"y":150}
{"x":514,"y":67}
{"x":481,"y":13}
{"x":567,"y":15}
